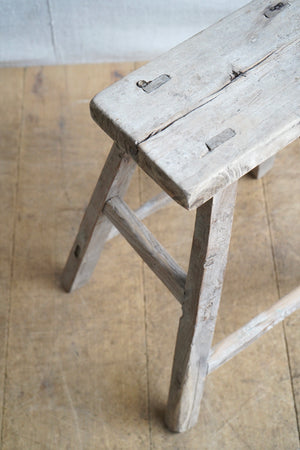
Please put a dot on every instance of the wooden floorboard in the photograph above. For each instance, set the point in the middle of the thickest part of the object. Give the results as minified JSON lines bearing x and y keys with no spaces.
{"x":11,"y":88}
{"x":282,"y":193}
{"x":90,"y":370}
{"x":76,"y":363}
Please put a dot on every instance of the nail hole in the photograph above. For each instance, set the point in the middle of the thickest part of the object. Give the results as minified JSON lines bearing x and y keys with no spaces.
{"x":141,"y":83}
{"x":77,"y":251}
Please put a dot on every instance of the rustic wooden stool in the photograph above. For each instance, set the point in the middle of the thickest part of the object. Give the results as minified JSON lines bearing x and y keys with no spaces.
{"x":218,"y":106}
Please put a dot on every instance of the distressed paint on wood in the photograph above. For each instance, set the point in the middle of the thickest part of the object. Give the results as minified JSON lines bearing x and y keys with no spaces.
{"x":200,"y":308}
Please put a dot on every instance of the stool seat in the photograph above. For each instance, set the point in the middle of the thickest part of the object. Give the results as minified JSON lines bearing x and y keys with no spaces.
{"x":199,"y":117}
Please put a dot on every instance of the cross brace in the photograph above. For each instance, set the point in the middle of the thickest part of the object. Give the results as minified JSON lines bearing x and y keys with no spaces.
{"x":164,"y":266}
{"x":198,"y":291}
{"x":246,"y":335}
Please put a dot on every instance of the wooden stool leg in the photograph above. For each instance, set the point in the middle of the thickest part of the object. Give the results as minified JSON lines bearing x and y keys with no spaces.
{"x":95,"y":227}
{"x":263,"y":168}
{"x":200,"y":307}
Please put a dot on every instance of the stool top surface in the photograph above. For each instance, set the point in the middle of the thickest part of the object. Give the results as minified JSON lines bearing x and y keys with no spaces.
{"x":217,"y":105}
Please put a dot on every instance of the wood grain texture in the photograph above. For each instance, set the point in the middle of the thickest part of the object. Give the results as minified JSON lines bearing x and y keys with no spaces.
{"x":76,"y":364}
{"x":261,"y":65}
{"x":282,"y":193}
{"x":265,"y":119}
{"x":247,"y":402}
{"x":11,"y":113}
{"x":31,"y":333}
{"x":145,"y":244}
{"x":265,"y":321}
{"x":150,"y":207}
{"x":82,"y":368}
{"x":200,"y":309}
{"x":191,"y":65}
{"x":94,"y":228}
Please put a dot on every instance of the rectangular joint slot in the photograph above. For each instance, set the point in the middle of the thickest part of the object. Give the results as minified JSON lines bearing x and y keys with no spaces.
{"x":150,"y":86}
{"x":273,"y":10}
{"x":219,"y":139}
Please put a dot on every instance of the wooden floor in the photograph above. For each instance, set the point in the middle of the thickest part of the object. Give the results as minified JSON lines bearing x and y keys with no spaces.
{"x":91,"y":369}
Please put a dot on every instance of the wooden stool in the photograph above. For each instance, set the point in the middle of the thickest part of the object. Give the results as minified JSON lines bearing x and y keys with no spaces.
{"x":196,"y":120}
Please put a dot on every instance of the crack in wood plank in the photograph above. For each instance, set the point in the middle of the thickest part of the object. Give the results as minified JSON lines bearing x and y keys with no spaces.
{"x":235,"y":75}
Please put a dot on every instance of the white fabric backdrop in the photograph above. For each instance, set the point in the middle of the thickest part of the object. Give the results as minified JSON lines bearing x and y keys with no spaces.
{"x":34,"y":32}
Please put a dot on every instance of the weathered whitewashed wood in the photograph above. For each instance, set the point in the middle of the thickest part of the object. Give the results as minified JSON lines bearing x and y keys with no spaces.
{"x":197,"y":120}
{"x":145,"y":244}
{"x":208,"y":93}
{"x":262,"y":107}
{"x":95,"y":227}
{"x":261,"y":170}
{"x":240,"y":339}
{"x":199,"y":68}
{"x":200,"y":308}
{"x":155,"y":204}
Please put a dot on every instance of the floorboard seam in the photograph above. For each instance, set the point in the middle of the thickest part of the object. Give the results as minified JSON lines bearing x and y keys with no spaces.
{"x":276,"y":274}
{"x":13,"y":247}
{"x":146,"y":329}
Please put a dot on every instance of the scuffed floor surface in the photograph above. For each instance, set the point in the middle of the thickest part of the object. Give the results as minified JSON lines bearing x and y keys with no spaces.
{"x":91,"y":369}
